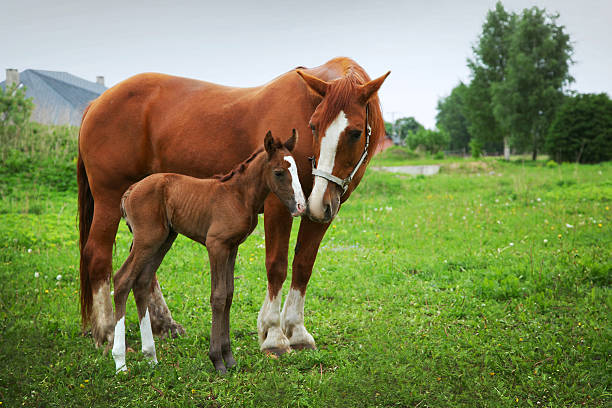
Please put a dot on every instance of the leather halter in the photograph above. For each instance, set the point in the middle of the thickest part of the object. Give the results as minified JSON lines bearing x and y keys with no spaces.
{"x":344,"y":183}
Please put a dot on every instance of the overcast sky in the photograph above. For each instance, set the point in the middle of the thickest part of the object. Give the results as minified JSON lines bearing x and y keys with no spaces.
{"x":248,"y":43}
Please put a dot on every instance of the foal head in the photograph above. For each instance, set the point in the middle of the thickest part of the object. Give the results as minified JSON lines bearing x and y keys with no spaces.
{"x":280,"y":173}
{"x":340,"y":137}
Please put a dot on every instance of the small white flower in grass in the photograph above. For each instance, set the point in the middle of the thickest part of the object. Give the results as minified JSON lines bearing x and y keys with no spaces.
{"x":545,"y":241}
{"x":389,"y":208}
{"x":539,"y":199}
{"x":511,"y":244}
{"x":58,"y":277}
{"x":29,"y":250}
{"x":569,"y":225}
{"x":36,"y":274}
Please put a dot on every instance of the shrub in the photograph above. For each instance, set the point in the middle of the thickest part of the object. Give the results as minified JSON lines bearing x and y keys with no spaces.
{"x":431,"y":141}
{"x":15,"y":112}
{"x":582,"y":130}
{"x":476,"y":148}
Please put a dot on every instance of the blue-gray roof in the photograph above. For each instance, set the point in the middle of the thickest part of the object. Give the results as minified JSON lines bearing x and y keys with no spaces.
{"x":59,"y":97}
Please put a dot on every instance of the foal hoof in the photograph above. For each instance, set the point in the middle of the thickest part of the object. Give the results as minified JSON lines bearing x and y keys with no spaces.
{"x":276,"y":352}
{"x":302,"y":346}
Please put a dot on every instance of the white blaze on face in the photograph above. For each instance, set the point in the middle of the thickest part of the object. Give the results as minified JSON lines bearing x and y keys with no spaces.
{"x":146,"y":334}
{"x":298,"y":194}
{"x":327,"y":158}
{"x":119,"y":345}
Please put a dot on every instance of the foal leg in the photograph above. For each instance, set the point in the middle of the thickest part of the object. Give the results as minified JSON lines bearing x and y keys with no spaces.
{"x":219,"y":260}
{"x":226,"y":346}
{"x":142,"y":295}
{"x":292,"y":317}
{"x":123,"y":281}
{"x":277,"y":223}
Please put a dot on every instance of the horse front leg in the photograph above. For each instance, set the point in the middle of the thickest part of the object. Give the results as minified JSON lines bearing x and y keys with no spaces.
{"x":277,"y":224}
{"x":218,"y":255}
{"x":226,"y":345}
{"x":292,"y":317}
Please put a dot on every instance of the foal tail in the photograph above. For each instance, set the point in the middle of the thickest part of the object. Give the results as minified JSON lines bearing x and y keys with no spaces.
{"x":86,"y":211}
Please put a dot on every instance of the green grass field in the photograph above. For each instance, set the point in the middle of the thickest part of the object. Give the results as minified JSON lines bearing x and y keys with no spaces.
{"x":487,"y":285}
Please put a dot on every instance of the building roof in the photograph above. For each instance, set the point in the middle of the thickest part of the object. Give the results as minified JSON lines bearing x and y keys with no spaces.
{"x":59,"y":97}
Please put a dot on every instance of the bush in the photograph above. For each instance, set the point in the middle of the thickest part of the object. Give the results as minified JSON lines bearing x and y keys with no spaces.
{"x":15,"y":112}
{"x":432,"y":141}
{"x":582,"y":130}
{"x":476,"y":148}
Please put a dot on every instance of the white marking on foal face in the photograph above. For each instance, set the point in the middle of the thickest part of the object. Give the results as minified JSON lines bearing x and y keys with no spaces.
{"x":327,"y":158}
{"x":298,"y":194}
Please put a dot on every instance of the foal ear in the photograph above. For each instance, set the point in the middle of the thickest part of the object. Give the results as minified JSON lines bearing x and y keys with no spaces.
{"x":269,"y":143}
{"x":372,"y":87}
{"x":314,"y":83}
{"x":292,"y":141}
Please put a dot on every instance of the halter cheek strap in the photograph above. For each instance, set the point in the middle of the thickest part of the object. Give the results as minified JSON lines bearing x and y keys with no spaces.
{"x":344,"y":183}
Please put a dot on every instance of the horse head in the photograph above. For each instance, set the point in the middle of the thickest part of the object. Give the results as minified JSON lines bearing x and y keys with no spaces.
{"x":341,"y":136}
{"x":281,"y":173}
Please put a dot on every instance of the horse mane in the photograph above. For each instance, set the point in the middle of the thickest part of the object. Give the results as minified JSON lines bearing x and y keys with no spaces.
{"x":339,"y":94}
{"x":239,"y":168}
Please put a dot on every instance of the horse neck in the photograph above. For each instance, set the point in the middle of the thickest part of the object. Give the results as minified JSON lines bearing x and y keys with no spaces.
{"x":250,"y":184}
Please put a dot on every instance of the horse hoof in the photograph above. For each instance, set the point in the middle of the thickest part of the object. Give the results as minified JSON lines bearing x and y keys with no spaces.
{"x":176,"y":330}
{"x":276,"y":352}
{"x":303,"y":346}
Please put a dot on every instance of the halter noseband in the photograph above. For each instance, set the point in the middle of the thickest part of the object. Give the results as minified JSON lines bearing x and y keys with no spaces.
{"x":344,"y":183}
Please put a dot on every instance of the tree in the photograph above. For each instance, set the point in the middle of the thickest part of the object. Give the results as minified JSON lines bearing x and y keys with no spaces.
{"x":431,"y":141}
{"x":537,"y":70}
{"x":488,"y":68}
{"x":581,"y":130}
{"x":405,"y":126}
{"x":451,"y":117}
{"x":15,"y":112}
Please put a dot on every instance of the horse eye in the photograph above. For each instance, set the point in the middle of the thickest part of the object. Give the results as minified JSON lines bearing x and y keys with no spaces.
{"x":355,"y":134}
{"x":279,"y":173}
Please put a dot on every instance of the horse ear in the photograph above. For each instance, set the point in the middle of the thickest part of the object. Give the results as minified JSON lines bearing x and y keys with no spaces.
{"x":292,"y":141}
{"x":372,"y":87}
{"x":269,"y":143}
{"x":314,"y":83}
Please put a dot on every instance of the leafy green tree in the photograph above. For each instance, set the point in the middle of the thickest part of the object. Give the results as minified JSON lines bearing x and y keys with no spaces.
{"x":15,"y":112}
{"x":431,"y":141}
{"x":405,"y":126}
{"x":537,"y":69}
{"x":488,"y":68}
{"x":451,"y":117}
{"x":582,"y":130}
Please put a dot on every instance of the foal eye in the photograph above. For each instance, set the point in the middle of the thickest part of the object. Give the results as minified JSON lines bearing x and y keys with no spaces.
{"x":354,"y":134}
{"x":279,"y":173}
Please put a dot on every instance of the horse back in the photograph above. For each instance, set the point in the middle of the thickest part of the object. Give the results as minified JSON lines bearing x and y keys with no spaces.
{"x":154,"y":123}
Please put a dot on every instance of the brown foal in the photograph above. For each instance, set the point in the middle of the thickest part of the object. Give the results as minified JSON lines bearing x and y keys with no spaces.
{"x":218,"y":213}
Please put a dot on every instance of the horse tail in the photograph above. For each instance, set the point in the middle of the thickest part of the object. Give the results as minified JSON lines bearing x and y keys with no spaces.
{"x":86,"y":211}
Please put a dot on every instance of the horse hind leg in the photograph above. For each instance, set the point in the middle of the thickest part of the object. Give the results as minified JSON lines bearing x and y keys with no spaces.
{"x":97,"y":257}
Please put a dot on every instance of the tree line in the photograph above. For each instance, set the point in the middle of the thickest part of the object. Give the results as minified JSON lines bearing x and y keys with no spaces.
{"x":517,"y":97}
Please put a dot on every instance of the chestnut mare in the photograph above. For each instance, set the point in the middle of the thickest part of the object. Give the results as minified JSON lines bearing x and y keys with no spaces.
{"x":153,"y":123}
{"x":218,"y":213}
